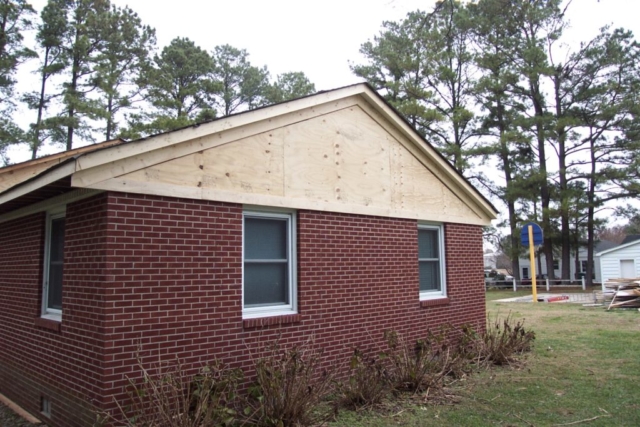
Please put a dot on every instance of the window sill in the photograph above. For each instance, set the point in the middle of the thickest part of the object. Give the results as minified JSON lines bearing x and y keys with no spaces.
{"x":273,"y":320}
{"x":435,"y":302}
{"x":47,"y":323}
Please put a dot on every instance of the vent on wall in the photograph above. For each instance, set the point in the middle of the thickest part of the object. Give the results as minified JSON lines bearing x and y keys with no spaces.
{"x":45,"y":406}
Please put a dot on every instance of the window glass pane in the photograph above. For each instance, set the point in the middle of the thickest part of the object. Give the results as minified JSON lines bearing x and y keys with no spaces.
{"x":56,"y":262}
{"x":57,"y":240}
{"x":54,"y":294}
{"x":265,"y":238}
{"x":429,"y":276}
{"x":265,"y":284}
{"x":428,"y":244}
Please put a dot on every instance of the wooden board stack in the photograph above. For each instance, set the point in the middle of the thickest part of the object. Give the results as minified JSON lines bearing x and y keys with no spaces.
{"x":625,"y":293}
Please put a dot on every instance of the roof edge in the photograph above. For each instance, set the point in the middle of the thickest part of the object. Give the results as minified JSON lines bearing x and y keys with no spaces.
{"x":63,"y":155}
{"x":411,"y":132}
{"x":623,"y":246}
{"x":59,"y":171}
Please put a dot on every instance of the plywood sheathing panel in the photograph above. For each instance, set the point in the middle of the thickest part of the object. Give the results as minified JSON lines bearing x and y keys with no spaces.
{"x":252,"y":165}
{"x":340,"y":157}
{"x":454,"y":195}
{"x":342,"y":161}
{"x":92,"y":170}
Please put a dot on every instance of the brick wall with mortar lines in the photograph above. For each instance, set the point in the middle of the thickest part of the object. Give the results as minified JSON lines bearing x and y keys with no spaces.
{"x":174,"y":285}
{"x":176,"y":289}
{"x":63,"y":365}
{"x":20,"y":293}
{"x":171,"y":285}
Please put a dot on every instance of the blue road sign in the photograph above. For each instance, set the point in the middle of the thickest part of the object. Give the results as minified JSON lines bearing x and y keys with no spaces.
{"x":537,"y":234}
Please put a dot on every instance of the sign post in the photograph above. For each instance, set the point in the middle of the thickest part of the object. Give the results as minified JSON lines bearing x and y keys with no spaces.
{"x":531,"y":235}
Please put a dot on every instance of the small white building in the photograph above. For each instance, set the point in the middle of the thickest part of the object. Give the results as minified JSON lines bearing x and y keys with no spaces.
{"x":622,"y":261}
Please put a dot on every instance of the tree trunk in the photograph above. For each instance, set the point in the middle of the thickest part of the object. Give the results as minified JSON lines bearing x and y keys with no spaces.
{"x":35,"y":144}
{"x":565,"y":232}
{"x":590,"y":217}
{"x":109,"y":117}
{"x":547,"y":247}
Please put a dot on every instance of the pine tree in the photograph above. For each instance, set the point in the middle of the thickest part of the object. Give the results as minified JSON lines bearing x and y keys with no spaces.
{"x":88,"y":26}
{"x":15,"y":18}
{"x":241,"y":85}
{"x":52,"y":33}
{"x":604,"y":87}
{"x":424,"y":67}
{"x":288,"y":86}
{"x":177,"y":85}
{"x":502,"y":116}
{"x":126,"y":54}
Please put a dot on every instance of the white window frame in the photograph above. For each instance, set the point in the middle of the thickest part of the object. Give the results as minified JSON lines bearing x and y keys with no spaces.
{"x":442,"y":292}
{"x":279,"y":309}
{"x":50,"y":313}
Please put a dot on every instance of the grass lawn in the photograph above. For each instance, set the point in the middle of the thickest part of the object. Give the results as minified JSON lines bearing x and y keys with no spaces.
{"x":584,"y":370}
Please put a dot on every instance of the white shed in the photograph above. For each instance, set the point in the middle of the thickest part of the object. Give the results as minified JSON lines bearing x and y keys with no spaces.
{"x":622,"y":261}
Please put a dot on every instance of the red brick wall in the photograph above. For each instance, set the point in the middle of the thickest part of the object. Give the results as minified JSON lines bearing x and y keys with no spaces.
{"x":465,"y":278}
{"x":176,"y":291}
{"x":174,"y":285}
{"x":62,"y":365}
{"x":160,"y":278}
{"x":21,"y":363}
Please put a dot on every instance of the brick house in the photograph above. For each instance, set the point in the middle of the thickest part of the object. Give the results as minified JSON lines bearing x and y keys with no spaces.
{"x":325,"y":216}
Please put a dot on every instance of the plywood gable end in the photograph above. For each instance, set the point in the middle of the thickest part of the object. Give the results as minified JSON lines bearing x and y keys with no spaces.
{"x":345,"y":161}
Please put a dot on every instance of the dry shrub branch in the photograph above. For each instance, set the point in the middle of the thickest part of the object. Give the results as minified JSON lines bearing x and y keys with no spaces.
{"x":500,"y":344}
{"x":171,"y":396}
{"x":290,"y":386}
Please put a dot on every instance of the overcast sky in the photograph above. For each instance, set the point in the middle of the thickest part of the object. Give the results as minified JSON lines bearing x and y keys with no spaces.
{"x":320,"y":38}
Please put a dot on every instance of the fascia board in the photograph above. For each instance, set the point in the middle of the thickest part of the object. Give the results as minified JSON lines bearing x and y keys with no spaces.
{"x":57,"y":173}
{"x":444,"y":166}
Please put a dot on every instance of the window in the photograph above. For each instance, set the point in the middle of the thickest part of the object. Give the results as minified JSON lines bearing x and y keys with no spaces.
{"x":525,"y":272}
{"x":583,"y":264}
{"x":53,"y":264}
{"x":556,"y":264}
{"x":431,"y":261}
{"x":268,"y":275}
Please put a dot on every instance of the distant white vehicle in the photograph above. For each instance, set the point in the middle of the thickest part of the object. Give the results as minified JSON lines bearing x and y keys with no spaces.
{"x":497,"y":277}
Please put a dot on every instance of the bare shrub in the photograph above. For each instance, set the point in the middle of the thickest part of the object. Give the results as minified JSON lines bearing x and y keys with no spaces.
{"x":425,"y":364}
{"x":367,"y":384}
{"x":502,"y":342}
{"x":289,"y":389}
{"x":175,"y":398}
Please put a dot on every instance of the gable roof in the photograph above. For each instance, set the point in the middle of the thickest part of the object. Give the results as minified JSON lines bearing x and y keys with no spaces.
{"x":604,"y":245}
{"x":621,"y":246}
{"x":20,"y":172}
{"x":630,"y":238}
{"x":127,"y":166}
